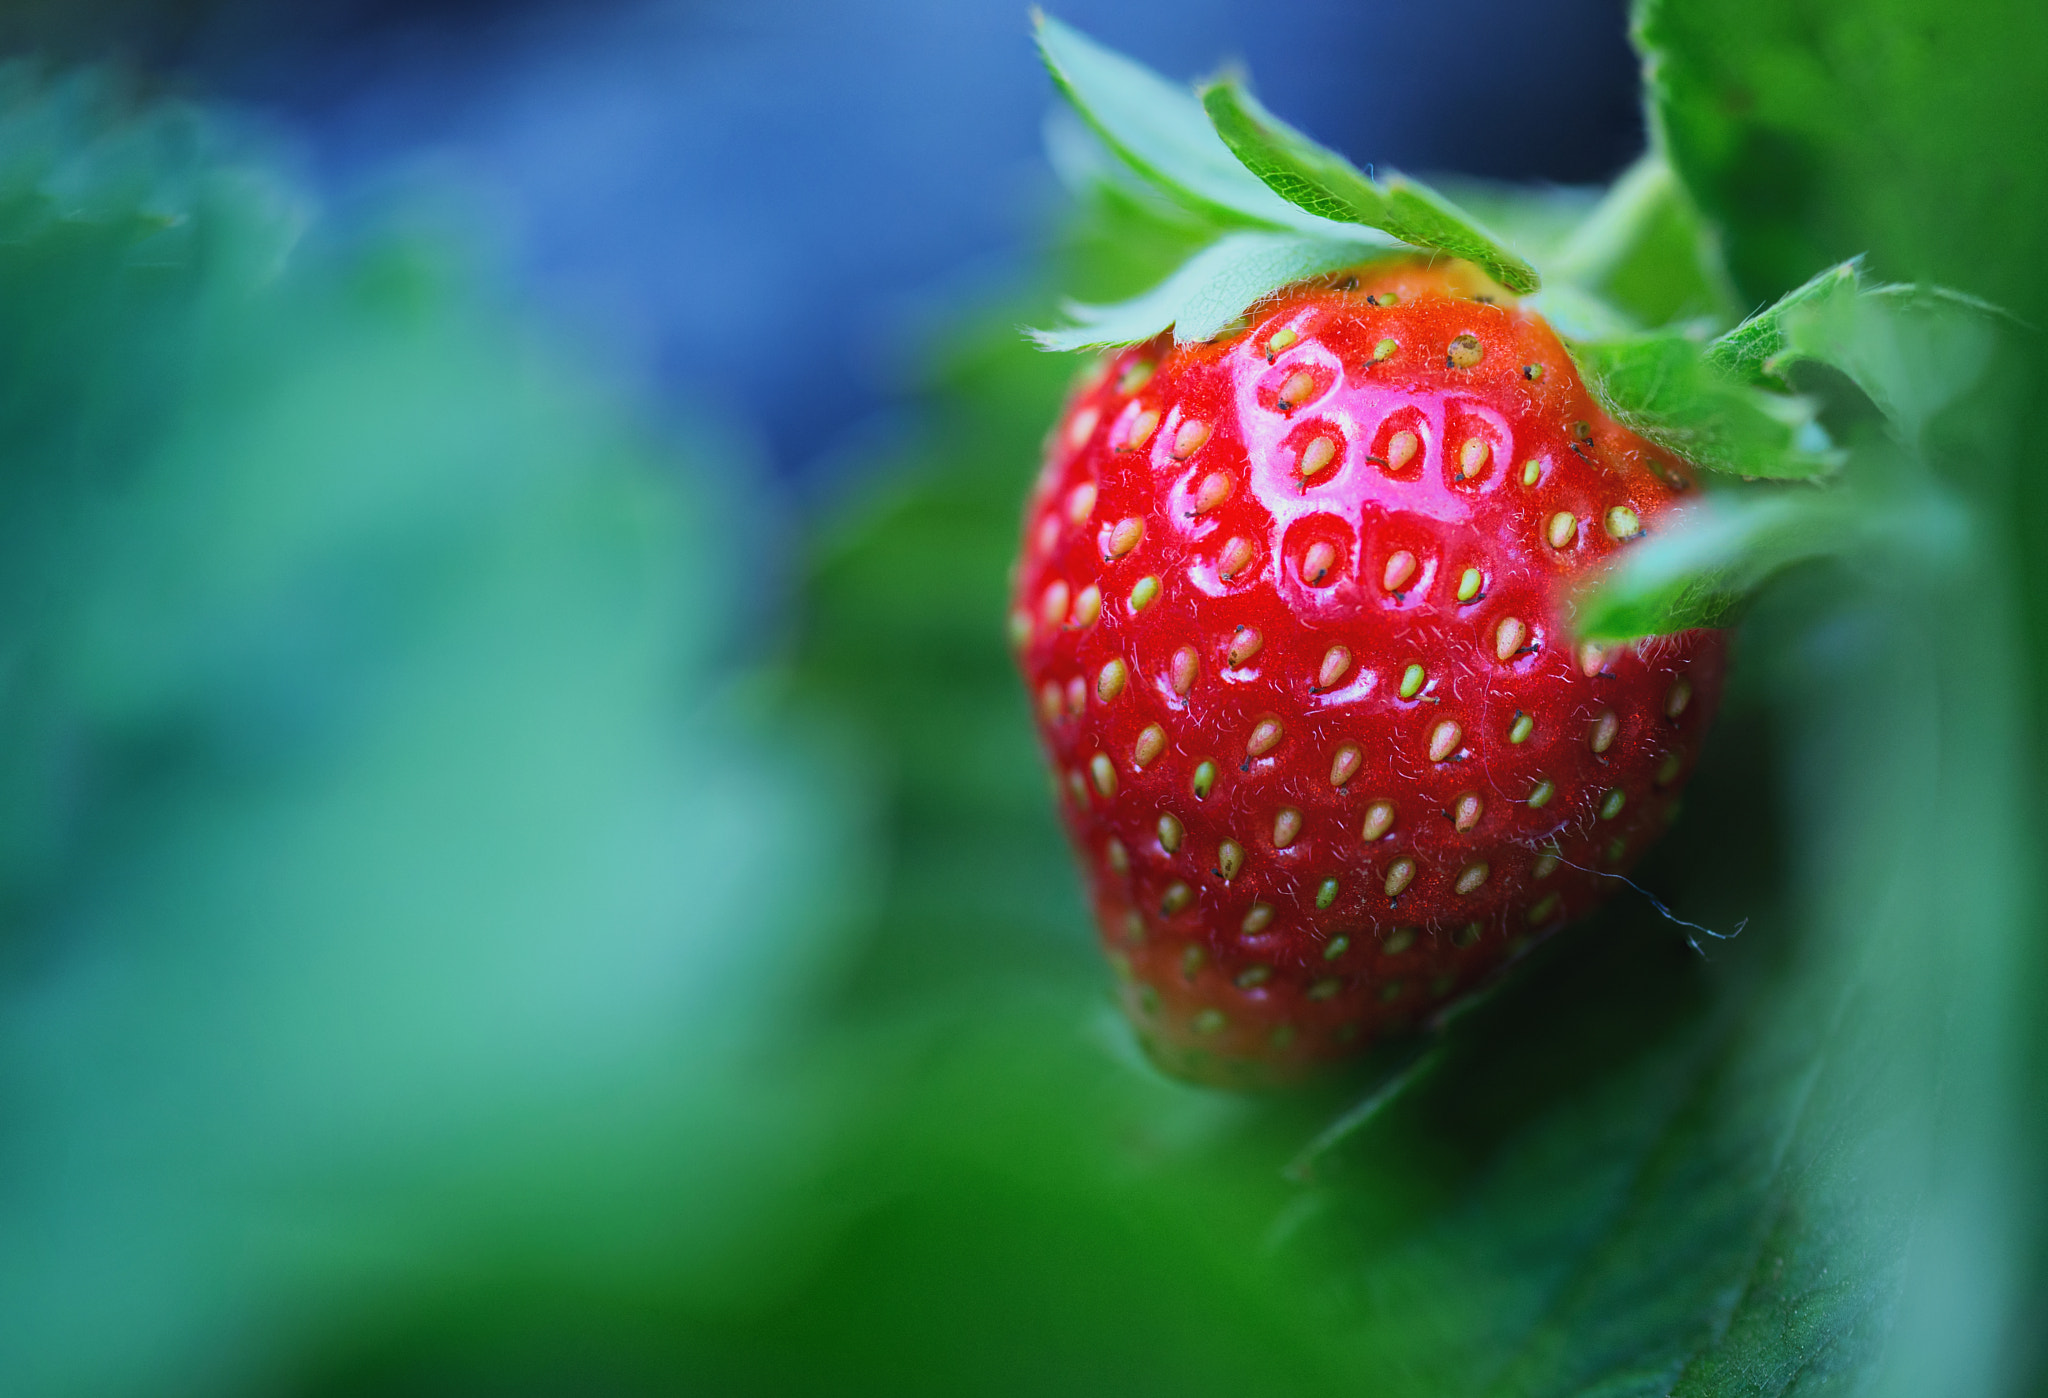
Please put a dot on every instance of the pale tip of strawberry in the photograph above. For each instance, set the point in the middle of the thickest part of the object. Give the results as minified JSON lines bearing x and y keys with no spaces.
{"x":1412,"y":680}
{"x":1400,"y":568}
{"x":1142,"y":593}
{"x":1182,"y":669}
{"x":1336,"y":660}
{"x":1400,"y":874}
{"x":1052,"y":607}
{"x":1521,"y":728}
{"x":1265,"y":737}
{"x":1216,"y":487}
{"x":1316,"y":457}
{"x":1170,"y":831}
{"x":1087,"y":607}
{"x":1470,"y":879}
{"x":1286,"y":827}
{"x":1623,"y":523}
{"x":1257,"y":920}
{"x":1204,"y":780}
{"x":1110,"y":681}
{"x":1188,"y":438}
{"x":1444,"y":740}
{"x":1612,"y":802}
{"x":1540,"y":794}
{"x":1229,"y":859}
{"x":1472,"y":457}
{"x":1464,"y":352}
{"x":1507,"y":640}
{"x":1398,"y":940}
{"x":1125,"y":536}
{"x":1379,"y":819}
{"x":1344,"y":764}
{"x":1562,"y":529}
{"x":1605,"y":728}
{"x":1151,"y":742}
{"x":1081,"y":502}
{"x":1466,"y":810}
{"x":1326,"y":893}
{"x":1104,"y":773}
{"x":1678,"y":698}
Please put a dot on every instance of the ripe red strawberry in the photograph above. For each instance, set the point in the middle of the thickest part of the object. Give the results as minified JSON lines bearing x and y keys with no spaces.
{"x":1292,"y":609}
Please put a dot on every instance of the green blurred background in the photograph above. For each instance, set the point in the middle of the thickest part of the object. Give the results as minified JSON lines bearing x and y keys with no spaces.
{"x":498,"y":902}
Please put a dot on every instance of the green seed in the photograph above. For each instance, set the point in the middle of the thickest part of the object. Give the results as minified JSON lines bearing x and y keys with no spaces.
{"x":1623,"y":523}
{"x":1540,"y":797}
{"x":1327,"y":894}
{"x":1521,"y":728}
{"x":1411,"y":681}
{"x":1339,"y":944}
{"x":1531,"y":472}
{"x":1143,"y":592}
{"x":1469,"y":584}
{"x":1205,"y":780}
{"x":1611,"y":804}
{"x":1208,"y":1021}
{"x":1468,"y":935}
{"x":1325,"y":988}
{"x":1383,"y":351}
{"x":1398,"y":941}
{"x":1280,"y":341}
{"x":1252,"y":976}
{"x":1545,"y":909}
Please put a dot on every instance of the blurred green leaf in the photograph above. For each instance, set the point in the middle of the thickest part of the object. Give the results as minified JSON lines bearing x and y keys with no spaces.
{"x":1329,"y":186}
{"x":1645,"y":250}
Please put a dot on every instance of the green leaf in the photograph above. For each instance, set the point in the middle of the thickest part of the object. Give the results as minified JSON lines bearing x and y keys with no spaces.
{"x":1663,"y":387}
{"x":1207,"y":294}
{"x":1645,"y":250}
{"x":1324,"y":183}
{"x":1159,"y":130}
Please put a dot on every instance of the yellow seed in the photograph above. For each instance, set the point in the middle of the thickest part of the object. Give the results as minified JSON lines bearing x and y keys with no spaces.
{"x":1081,"y":503}
{"x":1466,"y":811}
{"x":1469,"y":584}
{"x":1379,"y":819}
{"x":1344,"y":766}
{"x":1087,"y":606}
{"x":1444,"y":740}
{"x":1140,"y":430}
{"x":1213,"y":491}
{"x":1177,"y":896}
{"x":1048,"y":534}
{"x":1188,"y":438}
{"x":1317,"y":562}
{"x":1286,"y":827}
{"x":1237,"y":554}
{"x":1384,"y":350}
{"x":1317,"y":456}
{"x":1508,"y":638}
{"x":1398,"y":941}
{"x":1110,"y":682}
{"x":1243,"y":646}
{"x":1297,"y":390}
{"x":1143,"y":592}
{"x":1182,"y":669}
{"x":1256,"y":920}
{"x":1151,"y":742}
{"x":1052,"y":608}
{"x":1592,"y":655}
{"x":1564,"y":527}
{"x":1077,"y":696}
{"x":1400,"y":874}
{"x":1472,"y":457}
{"x":1336,"y":660}
{"x":1401,"y":449}
{"x":1135,"y":377}
{"x":1082,"y":427}
{"x":1623,"y":523}
{"x":1265,"y":737}
{"x":1531,"y":472}
{"x":1464,"y":352}
{"x":1049,"y":701}
{"x":1119,"y":858}
{"x":1611,"y":804}
{"x":1078,"y":784}
{"x":1204,"y":780}
{"x":1400,"y":568}
{"x":1521,"y":728}
{"x":1678,"y":698}
{"x":1533,"y":372}
{"x":1546,"y":863}
{"x":1605,"y":729}
{"x":1281,"y":340}
{"x":1104,"y":772}
{"x":1229,"y":859}
{"x":1412,"y":680}
{"x":1469,"y":880}
{"x":1170,"y":831}
{"x":1125,"y":536}
{"x":1540,"y":794}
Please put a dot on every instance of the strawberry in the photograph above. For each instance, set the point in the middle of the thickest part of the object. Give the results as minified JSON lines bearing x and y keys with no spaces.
{"x":1294,"y":611}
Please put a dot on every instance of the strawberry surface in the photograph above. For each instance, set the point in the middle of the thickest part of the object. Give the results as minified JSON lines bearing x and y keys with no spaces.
{"x":1293,"y":607}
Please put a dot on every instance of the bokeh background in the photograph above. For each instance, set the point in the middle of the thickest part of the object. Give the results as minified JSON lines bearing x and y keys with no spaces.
{"x":523,"y":863}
